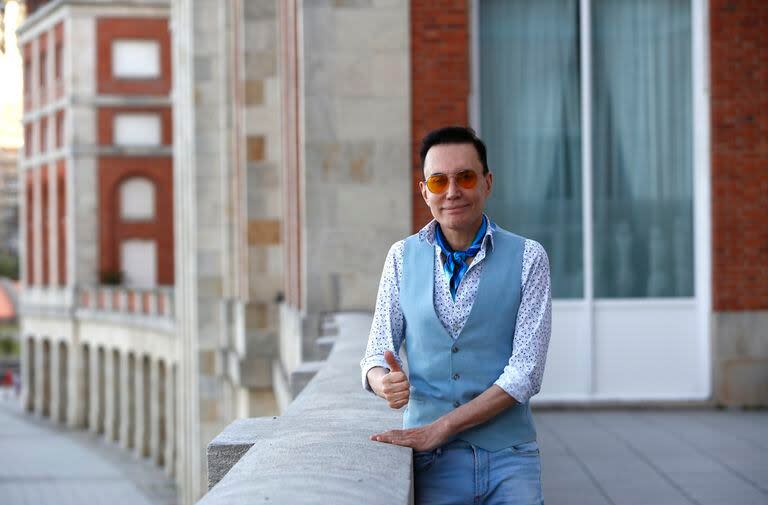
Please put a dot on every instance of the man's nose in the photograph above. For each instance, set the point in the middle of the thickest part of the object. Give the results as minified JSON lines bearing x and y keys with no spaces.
{"x":454,"y":191}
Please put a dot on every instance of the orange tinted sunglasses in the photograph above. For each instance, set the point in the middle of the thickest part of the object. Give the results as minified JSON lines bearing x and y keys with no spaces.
{"x":438,"y":183}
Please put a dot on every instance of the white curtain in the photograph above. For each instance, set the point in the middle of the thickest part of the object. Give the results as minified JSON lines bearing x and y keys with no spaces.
{"x":642,"y":148}
{"x":530,"y":120}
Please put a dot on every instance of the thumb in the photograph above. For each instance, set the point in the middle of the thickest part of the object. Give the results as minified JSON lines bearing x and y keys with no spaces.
{"x":394,"y":366}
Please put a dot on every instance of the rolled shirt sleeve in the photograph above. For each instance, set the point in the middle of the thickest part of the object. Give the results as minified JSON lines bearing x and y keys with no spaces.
{"x":387,"y":327}
{"x":523,"y":374}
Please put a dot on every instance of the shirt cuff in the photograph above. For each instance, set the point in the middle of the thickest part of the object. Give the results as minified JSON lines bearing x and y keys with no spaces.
{"x":515,"y":384}
{"x":367,"y":365}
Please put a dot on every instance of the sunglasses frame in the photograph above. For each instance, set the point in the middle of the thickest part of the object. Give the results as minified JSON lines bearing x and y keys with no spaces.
{"x":471,"y":181}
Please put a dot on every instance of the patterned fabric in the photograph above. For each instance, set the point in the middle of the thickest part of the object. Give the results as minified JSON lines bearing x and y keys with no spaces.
{"x":456,"y":261}
{"x":522,"y":376}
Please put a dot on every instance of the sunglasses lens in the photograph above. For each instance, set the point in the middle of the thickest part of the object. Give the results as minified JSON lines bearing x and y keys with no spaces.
{"x":437,"y":183}
{"x":466,"y":179}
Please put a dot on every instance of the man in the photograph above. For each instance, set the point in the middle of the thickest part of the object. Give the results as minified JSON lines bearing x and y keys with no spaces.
{"x":471,"y":303}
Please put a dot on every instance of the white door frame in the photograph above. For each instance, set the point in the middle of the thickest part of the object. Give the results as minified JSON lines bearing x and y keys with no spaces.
{"x":589,"y":312}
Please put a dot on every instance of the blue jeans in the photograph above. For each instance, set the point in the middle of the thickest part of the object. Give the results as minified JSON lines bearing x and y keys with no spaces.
{"x":462,"y":474}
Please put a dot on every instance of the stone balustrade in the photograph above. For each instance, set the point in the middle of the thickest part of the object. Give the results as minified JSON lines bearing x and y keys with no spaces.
{"x":157,"y":302}
{"x":104,"y":358}
{"x":319,"y":450}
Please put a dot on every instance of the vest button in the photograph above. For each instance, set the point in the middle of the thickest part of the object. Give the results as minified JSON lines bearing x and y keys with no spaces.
{"x":455,"y":376}
{"x":454,"y":349}
{"x":456,"y":404}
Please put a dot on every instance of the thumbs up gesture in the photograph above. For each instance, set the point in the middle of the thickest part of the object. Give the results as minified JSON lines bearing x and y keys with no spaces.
{"x":394,"y":386}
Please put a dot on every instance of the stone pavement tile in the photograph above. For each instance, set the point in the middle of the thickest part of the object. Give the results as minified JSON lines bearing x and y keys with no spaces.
{"x":751,"y":427}
{"x":701,"y":479}
{"x":42,"y":463}
{"x":50,"y":457}
{"x":565,"y":481}
{"x":106,"y":492}
{"x":736,"y":456}
{"x":614,"y":467}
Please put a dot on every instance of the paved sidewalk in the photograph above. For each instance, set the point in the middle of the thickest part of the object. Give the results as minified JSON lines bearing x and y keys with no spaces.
{"x":42,"y":463}
{"x":654,"y":457}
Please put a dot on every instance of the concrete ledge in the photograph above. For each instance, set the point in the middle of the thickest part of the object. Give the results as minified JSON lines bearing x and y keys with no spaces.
{"x":228,"y":447}
{"x":319,"y":451}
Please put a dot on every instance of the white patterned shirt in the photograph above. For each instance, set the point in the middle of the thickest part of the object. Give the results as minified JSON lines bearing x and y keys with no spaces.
{"x":522,"y":375}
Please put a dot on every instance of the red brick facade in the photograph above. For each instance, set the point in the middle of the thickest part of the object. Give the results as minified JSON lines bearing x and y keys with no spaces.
{"x":110,"y":29}
{"x":113,"y":170}
{"x":30,"y":219}
{"x":44,"y":210}
{"x":58,"y":60}
{"x":440,"y":79}
{"x":37,"y":143}
{"x":113,"y":231}
{"x":61,"y":202}
{"x":42,"y":70}
{"x":739,"y":110}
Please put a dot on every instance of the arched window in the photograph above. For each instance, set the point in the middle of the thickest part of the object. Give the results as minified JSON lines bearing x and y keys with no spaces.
{"x":137,"y":199}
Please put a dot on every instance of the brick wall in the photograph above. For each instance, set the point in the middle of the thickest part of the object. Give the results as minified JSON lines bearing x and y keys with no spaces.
{"x":739,"y":109}
{"x":46,"y":246}
{"x":61,"y":202}
{"x":113,"y":231}
{"x":440,"y":78}
{"x":109,"y":29}
{"x":30,"y":227}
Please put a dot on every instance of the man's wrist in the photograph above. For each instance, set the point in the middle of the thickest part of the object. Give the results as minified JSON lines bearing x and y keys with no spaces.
{"x":374,"y":376}
{"x":444,"y":426}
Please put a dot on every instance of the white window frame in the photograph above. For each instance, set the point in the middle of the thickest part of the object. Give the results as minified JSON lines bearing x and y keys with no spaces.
{"x":151,"y":72}
{"x":153,"y":260}
{"x":701,"y":301}
{"x":124,"y":123}
{"x":129,"y":214}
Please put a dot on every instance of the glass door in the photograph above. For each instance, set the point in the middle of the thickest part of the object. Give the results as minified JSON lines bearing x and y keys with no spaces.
{"x":587,"y":110}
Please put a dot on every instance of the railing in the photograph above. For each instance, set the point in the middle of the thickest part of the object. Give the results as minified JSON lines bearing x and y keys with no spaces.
{"x":319,"y":451}
{"x":125,"y":300}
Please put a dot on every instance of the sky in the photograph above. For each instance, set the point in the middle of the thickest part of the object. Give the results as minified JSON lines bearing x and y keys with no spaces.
{"x":11,"y":107}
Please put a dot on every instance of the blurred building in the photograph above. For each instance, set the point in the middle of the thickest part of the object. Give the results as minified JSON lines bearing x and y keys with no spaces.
{"x":11,"y":137}
{"x":9,"y":197}
{"x":98,"y":342}
{"x":627,"y":137}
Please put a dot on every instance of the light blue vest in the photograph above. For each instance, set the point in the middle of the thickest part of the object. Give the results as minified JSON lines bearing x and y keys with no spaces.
{"x":445,"y":373}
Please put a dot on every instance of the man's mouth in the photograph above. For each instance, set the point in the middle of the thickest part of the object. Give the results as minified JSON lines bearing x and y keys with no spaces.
{"x":455,"y":208}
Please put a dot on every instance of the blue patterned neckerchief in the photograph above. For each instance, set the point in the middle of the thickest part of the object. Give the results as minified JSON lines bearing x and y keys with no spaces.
{"x":455,"y":263}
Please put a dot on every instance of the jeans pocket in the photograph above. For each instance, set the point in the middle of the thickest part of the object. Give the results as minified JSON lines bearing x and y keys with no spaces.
{"x":526,"y":448}
{"x":423,"y":460}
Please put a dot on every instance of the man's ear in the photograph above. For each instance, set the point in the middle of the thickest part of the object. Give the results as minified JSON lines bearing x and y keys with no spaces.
{"x":489,"y":181}
{"x":423,"y":189}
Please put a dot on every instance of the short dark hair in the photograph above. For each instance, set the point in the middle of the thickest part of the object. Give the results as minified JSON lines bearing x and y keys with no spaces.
{"x":454,"y":135}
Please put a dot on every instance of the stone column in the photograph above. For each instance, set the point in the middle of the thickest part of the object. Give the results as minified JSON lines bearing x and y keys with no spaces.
{"x":28,"y":378}
{"x":77,"y":387}
{"x":141,"y":406}
{"x":111,"y":395}
{"x":127,"y":412}
{"x":57,"y":401}
{"x":170,"y":419}
{"x":96,"y":392}
{"x":155,"y":411}
{"x":43,"y":377}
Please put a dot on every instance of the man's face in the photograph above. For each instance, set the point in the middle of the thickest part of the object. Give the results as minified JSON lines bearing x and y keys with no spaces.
{"x":457,"y":208}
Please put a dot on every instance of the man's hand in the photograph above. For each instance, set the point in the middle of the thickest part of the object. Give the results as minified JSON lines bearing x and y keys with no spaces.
{"x":393,"y":386}
{"x":423,"y":438}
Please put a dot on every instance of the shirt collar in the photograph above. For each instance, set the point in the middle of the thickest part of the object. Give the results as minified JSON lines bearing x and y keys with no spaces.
{"x":428,"y":233}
